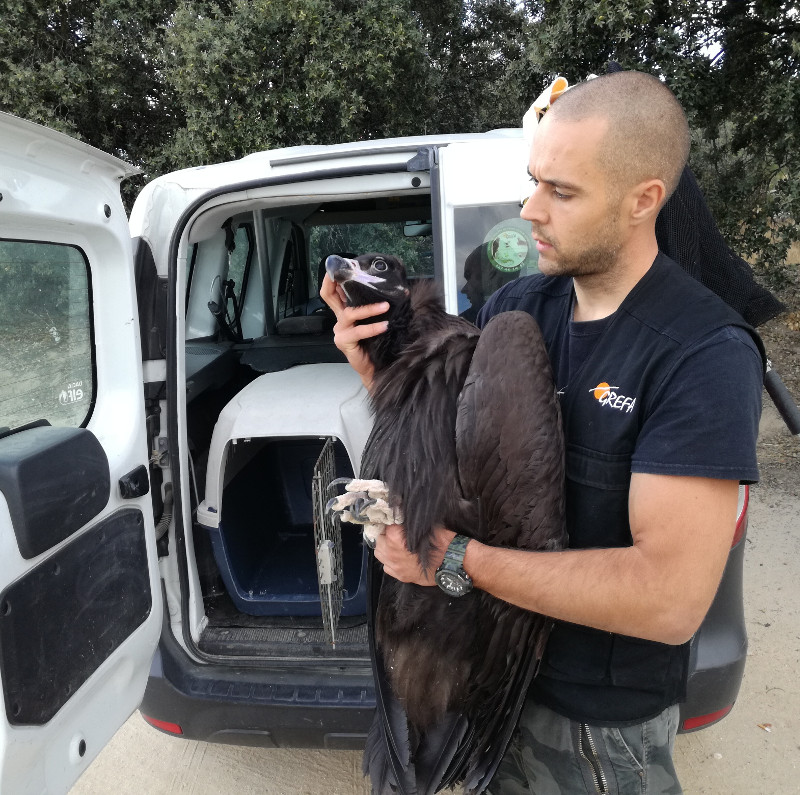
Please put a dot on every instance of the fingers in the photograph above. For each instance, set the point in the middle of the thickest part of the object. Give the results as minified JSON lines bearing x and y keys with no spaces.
{"x":350,"y":315}
{"x":332,"y":295}
{"x":346,"y":333}
{"x":398,"y":562}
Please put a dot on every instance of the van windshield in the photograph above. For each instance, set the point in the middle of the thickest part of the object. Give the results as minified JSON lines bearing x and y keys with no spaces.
{"x":416,"y":250}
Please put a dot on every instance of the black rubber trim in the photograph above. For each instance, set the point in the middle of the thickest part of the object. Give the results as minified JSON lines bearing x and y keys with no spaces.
{"x":151,"y":297}
{"x":292,"y":706}
{"x":65,"y":617}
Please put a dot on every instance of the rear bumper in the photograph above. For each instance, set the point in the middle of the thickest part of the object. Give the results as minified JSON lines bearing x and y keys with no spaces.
{"x":291,"y":706}
{"x":718,"y":651}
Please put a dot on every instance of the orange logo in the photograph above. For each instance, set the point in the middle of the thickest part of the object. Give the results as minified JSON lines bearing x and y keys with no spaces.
{"x":602,"y":389}
{"x":606,"y":395}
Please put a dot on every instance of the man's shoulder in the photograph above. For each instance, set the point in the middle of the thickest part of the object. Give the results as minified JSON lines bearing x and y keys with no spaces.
{"x":528,"y":294}
{"x":675,"y":304}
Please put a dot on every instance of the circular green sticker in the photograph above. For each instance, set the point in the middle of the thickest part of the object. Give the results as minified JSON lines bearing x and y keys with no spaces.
{"x":509,"y":246}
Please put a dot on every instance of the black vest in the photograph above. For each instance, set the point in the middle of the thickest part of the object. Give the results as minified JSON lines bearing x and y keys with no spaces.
{"x":586,"y":674}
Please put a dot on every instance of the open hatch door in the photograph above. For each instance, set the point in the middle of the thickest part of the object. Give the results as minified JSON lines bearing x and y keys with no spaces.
{"x":478,"y":189}
{"x":80,"y":601}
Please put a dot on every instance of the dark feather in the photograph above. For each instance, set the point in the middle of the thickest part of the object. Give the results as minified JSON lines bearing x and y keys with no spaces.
{"x":468,"y":435}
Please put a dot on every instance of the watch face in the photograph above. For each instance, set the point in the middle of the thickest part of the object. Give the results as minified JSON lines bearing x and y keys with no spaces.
{"x":452,"y":583}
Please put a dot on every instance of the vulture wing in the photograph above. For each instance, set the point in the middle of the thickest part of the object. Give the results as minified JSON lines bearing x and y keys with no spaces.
{"x":510,"y":451}
{"x":471,"y":440}
{"x":509,"y":438}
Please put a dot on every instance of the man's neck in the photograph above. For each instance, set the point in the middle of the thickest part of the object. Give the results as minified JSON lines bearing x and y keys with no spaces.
{"x":600,"y":295}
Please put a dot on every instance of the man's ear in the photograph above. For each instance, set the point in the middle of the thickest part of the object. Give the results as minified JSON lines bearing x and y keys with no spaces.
{"x":646,"y":199}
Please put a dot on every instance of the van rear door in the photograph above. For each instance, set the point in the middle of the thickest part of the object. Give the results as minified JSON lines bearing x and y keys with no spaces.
{"x":80,"y":601}
{"x":479,"y":190}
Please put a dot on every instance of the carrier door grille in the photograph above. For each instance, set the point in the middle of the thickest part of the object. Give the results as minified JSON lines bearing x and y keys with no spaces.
{"x":327,"y":542}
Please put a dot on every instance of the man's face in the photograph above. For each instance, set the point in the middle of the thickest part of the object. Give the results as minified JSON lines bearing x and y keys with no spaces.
{"x":574,"y":220}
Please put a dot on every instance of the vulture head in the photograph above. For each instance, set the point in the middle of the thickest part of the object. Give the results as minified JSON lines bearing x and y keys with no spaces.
{"x":370,"y":279}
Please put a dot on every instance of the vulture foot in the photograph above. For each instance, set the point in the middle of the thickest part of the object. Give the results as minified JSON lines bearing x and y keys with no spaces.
{"x":365,"y":502}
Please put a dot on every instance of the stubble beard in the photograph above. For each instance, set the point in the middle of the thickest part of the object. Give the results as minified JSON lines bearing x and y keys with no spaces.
{"x":596,"y":260}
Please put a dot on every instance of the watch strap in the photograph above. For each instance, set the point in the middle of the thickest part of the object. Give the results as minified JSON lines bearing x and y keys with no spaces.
{"x":454,"y":554}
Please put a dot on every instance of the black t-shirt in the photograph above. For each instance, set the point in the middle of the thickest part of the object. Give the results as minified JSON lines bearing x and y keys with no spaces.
{"x":706,"y":424}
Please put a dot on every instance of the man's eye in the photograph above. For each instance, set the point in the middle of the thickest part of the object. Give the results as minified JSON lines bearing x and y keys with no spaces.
{"x":559,"y":195}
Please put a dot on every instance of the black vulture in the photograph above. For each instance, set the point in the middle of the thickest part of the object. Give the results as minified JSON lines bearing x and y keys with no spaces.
{"x":467,"y":435}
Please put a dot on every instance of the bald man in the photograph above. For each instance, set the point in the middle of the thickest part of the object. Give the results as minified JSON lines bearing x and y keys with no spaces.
{"x":660,"y":386}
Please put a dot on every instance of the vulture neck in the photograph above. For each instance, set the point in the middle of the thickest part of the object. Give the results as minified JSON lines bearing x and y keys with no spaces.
{"x":409,"y":320}
{"x":385,"y":348}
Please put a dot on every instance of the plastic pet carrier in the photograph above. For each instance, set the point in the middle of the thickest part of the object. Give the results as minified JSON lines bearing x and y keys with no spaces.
{"x":264,"y":476}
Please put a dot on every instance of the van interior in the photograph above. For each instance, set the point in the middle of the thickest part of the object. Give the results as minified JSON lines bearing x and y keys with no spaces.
{"x":253,"y":309}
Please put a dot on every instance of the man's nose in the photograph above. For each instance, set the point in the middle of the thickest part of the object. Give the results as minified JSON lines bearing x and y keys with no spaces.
{"x":532,"y":208}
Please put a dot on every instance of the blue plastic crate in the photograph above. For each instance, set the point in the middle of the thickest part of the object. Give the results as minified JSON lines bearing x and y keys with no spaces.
{"x":264,"y":546}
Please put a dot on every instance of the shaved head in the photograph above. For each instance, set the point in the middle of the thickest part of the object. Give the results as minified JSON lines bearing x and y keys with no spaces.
{"x":647,"y":135}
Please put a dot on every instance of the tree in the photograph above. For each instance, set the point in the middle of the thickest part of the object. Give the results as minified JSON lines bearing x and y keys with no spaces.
{"x":261,"y":74}
{"x":173,"y":83}
{"x":474,"y":53}
{"x":735,"y":66}
{"x":91,"y":70}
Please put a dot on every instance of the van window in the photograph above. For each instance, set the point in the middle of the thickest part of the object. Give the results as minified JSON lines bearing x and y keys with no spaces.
{"x":46,"y":358}
{"x":415,"y":250}
{"x":493,"y":246}
{"x":293,"y":284}
{"x":239,"y":262}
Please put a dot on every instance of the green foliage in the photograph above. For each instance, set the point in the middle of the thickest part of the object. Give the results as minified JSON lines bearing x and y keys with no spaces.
{"x":266,"y":73}
{"x":172,"y":83}
{"x":735,"y":66}
{"x":92,"y":70}
{"x":415,"y":252}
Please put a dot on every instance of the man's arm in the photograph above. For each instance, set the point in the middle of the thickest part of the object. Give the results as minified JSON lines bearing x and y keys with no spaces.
{"x":346,"y":334}
{"x":658,"y":589}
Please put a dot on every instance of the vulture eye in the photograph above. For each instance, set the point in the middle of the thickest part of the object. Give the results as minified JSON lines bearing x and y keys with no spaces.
{"x":380,"y":265}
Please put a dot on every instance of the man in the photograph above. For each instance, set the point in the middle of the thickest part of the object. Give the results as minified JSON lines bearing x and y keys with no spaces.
{"x":660,"y":386}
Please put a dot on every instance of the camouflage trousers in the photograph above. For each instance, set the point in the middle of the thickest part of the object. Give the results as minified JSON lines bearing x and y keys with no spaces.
{"x":552,"y":755}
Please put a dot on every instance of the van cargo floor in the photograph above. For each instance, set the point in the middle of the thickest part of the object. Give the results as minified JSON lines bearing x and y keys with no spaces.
{"x":232,"y":633}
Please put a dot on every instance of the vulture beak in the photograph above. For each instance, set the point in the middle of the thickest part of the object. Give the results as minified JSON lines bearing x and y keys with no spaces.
{"x":343,"y":270}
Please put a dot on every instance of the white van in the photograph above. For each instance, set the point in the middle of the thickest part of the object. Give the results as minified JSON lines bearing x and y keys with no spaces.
{"x":172,"y":408}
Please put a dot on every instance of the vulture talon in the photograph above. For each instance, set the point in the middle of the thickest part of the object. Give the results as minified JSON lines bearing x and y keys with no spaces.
{"x":339,"y":482}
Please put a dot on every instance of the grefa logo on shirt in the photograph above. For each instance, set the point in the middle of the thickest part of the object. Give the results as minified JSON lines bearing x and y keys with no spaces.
{"x":606,"y":395}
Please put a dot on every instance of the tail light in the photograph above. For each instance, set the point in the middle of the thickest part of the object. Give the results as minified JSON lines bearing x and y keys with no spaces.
{"x":163,"y":725}
{"x":698,"y":722}
{"x":741,"y":515}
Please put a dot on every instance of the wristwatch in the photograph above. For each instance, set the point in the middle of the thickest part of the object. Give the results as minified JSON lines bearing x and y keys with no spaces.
{"x":450,"y":576}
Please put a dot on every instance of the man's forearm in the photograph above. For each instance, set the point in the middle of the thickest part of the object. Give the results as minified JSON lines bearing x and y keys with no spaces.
{"x":660,"y":588}
{"x":609,"y":589}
